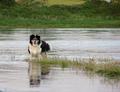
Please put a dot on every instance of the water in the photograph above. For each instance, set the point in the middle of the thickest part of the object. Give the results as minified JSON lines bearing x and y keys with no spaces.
{"x":17,"y":75}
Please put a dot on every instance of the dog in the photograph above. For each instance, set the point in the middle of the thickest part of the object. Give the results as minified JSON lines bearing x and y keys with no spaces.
{"x":37,"y":48}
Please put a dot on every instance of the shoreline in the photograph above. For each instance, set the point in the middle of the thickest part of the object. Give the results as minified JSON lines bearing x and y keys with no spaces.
{"x":76,"y":29}
{"x":62,"y":29}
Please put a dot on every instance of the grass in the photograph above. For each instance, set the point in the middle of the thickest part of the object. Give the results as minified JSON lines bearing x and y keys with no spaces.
{"x":60,"y":16}
{"x":110,"y":69}
{"x":59,"y":23}
{"x":64,"y":2}
{"x":57,"y":2}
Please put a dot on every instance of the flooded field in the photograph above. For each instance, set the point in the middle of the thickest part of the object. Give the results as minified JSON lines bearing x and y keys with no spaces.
{"x":17,"y":75}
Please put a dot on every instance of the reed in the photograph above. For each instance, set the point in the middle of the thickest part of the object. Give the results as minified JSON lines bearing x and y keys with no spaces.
{"x":108,"y":68}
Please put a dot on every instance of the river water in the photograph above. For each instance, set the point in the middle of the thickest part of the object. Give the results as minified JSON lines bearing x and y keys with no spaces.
{"x":17,"y":75}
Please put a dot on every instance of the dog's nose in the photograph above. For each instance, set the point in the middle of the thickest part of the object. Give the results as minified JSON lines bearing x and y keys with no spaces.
{"x":35,"y":42}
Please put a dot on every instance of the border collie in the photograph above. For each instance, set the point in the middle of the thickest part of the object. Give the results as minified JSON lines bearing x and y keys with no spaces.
{"x":37,"y":48}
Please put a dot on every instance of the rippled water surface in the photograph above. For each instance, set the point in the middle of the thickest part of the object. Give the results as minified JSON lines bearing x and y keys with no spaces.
{"x":17,"y":75}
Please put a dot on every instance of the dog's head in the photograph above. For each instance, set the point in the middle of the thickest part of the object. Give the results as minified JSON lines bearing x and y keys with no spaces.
{"x":34,"y":40}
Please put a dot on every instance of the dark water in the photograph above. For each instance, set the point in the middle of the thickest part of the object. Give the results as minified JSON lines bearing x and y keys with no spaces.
{"x":17,"y":75}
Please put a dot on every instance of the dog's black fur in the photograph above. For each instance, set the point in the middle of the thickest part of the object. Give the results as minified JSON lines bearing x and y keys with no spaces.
{"x":44,"y":46}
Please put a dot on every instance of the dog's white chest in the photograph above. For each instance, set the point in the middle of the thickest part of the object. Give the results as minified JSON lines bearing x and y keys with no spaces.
{"x":35,"y":50}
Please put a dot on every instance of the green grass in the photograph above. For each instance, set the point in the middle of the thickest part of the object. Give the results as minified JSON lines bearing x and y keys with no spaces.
{"x":59,"y":23}
{"x":110,"y":69}
{"x":60,"y":16}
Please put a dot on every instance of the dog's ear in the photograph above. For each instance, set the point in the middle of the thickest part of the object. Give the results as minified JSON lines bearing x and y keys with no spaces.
{"x":38,"y":37}
{"x":31,"y":37}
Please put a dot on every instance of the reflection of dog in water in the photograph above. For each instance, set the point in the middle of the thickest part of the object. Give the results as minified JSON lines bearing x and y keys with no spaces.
{"x":34,"y":72}
{"x":37,"y":72}
{"x":37,"y":48}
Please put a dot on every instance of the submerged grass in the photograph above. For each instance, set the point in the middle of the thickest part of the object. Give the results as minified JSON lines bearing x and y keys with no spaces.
{"x":109,"y":69}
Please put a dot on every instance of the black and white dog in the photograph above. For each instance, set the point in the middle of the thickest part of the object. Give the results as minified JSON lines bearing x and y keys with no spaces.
{"x":37,"y":48}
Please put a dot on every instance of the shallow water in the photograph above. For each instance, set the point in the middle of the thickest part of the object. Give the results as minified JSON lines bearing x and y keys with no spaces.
{"x":15,"y":72}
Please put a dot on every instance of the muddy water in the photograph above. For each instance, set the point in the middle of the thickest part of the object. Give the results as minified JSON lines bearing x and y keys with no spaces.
{"x":17,"y":75}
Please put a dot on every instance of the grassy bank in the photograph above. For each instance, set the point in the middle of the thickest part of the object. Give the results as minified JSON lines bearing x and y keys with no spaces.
{"x":110,"y":69}
{"x":60,"y":16}
{"x":58,"y":23}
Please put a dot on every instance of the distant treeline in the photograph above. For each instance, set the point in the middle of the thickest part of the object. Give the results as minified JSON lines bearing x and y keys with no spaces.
{"x":7,"y":2}
{"x":37,"y":10}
